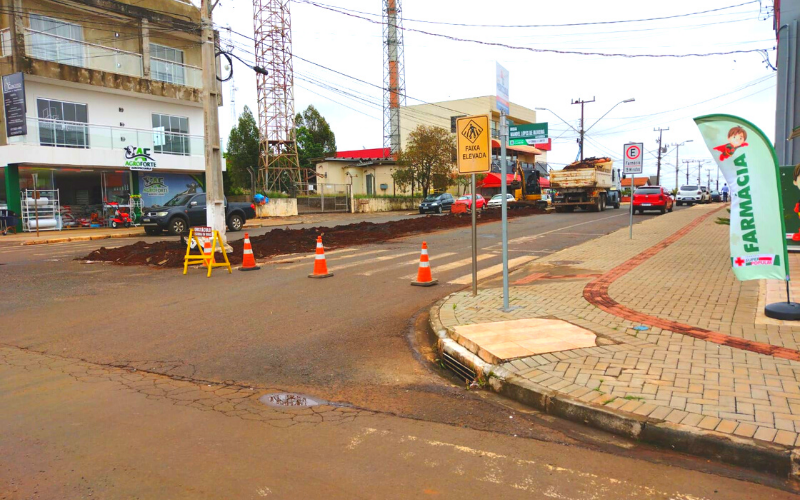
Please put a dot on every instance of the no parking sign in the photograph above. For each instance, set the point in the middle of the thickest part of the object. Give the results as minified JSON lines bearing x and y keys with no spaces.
{"x":632,"y":159}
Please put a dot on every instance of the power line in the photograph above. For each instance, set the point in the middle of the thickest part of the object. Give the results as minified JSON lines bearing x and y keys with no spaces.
{"x":444,"y":23}
{"x":533,"y":49}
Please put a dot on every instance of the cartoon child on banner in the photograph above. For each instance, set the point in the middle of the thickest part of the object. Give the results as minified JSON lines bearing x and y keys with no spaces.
{"x":736,"y":138}
{"x":796,"y":182}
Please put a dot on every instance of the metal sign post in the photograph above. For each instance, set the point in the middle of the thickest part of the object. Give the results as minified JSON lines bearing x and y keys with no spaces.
{"x":474,"y":240}
{"x":504,"y":206}
{"x":474,"y":156}
{"x":632,"y":164}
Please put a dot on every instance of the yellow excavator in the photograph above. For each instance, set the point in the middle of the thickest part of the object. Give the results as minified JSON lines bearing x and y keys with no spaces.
{"x":526,"y":188}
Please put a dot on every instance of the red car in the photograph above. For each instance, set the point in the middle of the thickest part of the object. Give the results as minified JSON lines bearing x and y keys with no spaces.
{"x":652,"y":198}
{"x":480,"y":201}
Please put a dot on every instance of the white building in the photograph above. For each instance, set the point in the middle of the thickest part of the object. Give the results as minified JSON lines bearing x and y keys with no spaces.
{"x":103,"y":82}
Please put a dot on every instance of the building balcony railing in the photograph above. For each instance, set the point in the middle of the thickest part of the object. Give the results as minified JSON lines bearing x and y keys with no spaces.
{"x":179,"y":74}
{"x":77,"y":135}
{"x":49,"y":47}
{"x":5,"y":42}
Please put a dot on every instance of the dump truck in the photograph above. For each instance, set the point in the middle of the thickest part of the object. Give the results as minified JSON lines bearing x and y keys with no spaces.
{"x":591,"y":184}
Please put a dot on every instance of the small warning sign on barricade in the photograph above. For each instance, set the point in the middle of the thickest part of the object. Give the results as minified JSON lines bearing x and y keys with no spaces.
{"x":203,"y":237}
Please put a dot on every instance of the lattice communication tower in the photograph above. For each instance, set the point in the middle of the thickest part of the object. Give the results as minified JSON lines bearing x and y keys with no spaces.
{"x":279,"y":167}
{"x":394,"y":74}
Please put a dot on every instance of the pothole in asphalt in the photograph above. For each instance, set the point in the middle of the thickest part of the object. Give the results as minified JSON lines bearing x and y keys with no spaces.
{"x":290,"y":399}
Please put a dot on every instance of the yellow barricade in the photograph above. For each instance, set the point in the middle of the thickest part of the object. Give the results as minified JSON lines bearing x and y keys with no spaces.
{"x":207,"y":259}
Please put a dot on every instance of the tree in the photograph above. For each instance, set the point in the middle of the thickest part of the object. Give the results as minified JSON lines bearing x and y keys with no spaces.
{"x":242,"y":152}
{"x":428,"y":158}
{"x":315,"y":139}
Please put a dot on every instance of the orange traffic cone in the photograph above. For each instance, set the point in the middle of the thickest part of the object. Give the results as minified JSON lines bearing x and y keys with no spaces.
{"x":424,"y":277}
{"x":320,"y":266}
{"x":207,"y":253}
{"x":248,"y":261}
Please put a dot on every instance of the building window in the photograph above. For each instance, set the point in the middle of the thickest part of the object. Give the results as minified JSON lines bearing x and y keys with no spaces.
{"x":62,"y":124}
{"x":56,"y":40}
{"x":166,"y":64}
{"x":171,"y":134}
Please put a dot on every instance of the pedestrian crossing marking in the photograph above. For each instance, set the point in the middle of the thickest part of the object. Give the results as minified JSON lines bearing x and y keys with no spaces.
{"x":335,"y":259}
{"x":436,"y":269}
{"x":490,"y":271}
{"x":396,"y":265}
{"x":377,"y":259}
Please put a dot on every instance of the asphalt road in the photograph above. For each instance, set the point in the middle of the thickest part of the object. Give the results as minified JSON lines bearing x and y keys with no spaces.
{"x":356,"y":339}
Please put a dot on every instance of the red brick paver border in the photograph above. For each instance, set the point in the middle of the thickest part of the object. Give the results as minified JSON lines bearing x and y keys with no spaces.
{"x":596,"y":293}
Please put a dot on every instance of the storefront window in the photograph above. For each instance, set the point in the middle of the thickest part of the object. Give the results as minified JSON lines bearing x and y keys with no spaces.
{"x":170,"y":134}
{"x":61,"y":124}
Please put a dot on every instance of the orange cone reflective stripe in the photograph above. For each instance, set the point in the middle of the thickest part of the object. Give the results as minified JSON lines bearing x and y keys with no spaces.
{"x":320,"y":265}
{"x":248,"y":260}
{"x":207,"y":253}
{"x":424,"y":277}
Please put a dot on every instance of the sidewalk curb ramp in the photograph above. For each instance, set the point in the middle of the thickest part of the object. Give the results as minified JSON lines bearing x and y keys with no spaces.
{"x":770,"y":458}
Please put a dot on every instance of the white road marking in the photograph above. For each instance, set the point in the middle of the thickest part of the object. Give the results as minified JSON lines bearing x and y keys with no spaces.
{"x":335,"y":259}
{"x":453,"y":265}
{"x":496,"y":269}
{"x":406,"y":263}
{"x":334,"y":267}
{"x":284,"y":259}
{"x":524,"y":239}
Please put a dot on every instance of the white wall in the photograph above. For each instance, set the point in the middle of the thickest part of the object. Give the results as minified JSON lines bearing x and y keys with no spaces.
{"x":103,"y":109}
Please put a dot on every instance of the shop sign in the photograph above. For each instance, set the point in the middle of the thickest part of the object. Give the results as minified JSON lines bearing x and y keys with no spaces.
{"x":502,"y":89}
{"x":14,"y":104}
{"x":154,"y":186}
{"x":527,"y":135}
{"x":139,"y":159}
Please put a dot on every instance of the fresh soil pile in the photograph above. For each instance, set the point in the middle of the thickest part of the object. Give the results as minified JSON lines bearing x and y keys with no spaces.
{"x":285,"y":241}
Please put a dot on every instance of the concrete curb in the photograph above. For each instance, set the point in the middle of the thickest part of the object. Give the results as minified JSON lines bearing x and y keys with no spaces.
{"x":84,"y":238}
{"x":782,"y":461}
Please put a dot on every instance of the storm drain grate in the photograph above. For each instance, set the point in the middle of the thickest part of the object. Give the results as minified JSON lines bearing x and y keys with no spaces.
{"x":459,"y":368}
{"x":290,"y":400}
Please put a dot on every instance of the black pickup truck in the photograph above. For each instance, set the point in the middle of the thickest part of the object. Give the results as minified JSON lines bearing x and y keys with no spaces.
{"x":187,"y":210}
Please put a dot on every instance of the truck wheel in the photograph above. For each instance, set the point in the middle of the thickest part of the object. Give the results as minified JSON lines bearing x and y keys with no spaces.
{"x":602,"y":203}
{"x":177,"y":226}
{"x":235,"y":222}
{"x":152,"y":231}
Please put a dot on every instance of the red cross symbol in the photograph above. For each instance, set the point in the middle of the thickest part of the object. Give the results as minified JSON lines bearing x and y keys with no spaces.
{"x":739,"y":261}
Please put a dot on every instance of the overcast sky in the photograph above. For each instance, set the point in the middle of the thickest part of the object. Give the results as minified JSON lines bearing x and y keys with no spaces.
{"x":669,"y":92}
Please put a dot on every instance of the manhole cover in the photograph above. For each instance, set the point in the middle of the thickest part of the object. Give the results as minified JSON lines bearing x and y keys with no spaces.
{"x":289,"y":399}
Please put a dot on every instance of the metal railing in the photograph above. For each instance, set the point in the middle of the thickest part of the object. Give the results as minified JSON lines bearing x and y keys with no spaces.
{"x":82,"y":54}
{"x":68,"y":134}
{"x":173,"y":72}
{"x":5,"y":42}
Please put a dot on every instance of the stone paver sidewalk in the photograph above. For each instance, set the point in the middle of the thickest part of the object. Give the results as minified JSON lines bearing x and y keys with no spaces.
{"x":707,"y":371}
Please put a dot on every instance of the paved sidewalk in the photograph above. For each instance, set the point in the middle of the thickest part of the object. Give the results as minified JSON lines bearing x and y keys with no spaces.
{"x":680,"y":341}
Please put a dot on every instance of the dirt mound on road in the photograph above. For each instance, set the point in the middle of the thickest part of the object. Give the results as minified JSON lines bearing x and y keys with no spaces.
{"x":170,"y":254}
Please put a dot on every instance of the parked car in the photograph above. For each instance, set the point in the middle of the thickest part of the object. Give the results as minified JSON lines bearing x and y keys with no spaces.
{"x":652,"y":198}
{"x":480,"y":201}
{"x":690,"y":195}
{"x":497,"y":200}
{"x":706,"y":194}
{"x":187,"y":210}
{"x":716,"y":196}
{"x":437,"y":203}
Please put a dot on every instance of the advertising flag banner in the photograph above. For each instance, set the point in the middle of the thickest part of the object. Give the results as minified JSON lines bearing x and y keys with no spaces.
{"x":502,"y":89}
{"x":748,"y":161}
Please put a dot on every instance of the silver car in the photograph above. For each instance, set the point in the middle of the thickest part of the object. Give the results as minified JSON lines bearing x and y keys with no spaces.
{"x":497,"y":200}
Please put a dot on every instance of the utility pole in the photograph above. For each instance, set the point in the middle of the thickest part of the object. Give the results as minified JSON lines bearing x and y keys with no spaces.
{"x":677,"y":162}
{"x":687,"y":163}
{"x":582,"y":131}
{"x":215,"y":199}
{"x":717,"y":179}
{"x":708,"y":179}
{"x":658,"y":164}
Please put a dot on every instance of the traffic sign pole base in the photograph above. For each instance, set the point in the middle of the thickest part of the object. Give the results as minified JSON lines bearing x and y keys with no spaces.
{"x":786,"y":311}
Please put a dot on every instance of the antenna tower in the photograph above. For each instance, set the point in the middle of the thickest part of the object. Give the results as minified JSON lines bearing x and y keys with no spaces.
{"x":279,"y":167}
{"x":394,"y":74}
{"x":232,"y":84}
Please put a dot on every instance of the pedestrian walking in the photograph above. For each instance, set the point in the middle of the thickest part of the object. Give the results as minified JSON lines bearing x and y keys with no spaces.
{"x":725,"y":190}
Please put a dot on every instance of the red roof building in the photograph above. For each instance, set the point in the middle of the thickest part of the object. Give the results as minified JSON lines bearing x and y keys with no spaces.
{"x":365,"y":154}
{"x":638,"y":182}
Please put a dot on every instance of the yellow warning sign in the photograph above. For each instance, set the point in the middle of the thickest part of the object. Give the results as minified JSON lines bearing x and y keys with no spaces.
{"x":474,"y":144}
